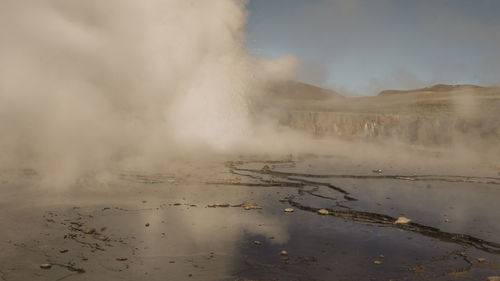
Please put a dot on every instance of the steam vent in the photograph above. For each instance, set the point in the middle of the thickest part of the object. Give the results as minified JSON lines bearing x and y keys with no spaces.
{"x":250,"y":140}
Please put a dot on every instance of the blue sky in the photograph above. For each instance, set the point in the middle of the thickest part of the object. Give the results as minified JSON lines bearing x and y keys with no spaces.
{"x":362,"y":46}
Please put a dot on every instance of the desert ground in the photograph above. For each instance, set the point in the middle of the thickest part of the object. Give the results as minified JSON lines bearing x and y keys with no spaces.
{"x":341,"y":215}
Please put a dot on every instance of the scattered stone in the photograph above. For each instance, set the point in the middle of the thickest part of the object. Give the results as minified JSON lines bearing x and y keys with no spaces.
{"x":381,"y":256}
{"x":218,"y":205}
{"x":282,"y":200}
{"x":289,"y":210}
{"x":323,"y":212}
{"x":89,"y":230}
{"x":63,"y":251}
{"x":177,"y":204}
{"x":222,"y":205}
{"x":101,"y":237}
{"x":493,"y":278}
{"x":446,"y":220}
{"x":147,"y":224}
{"x":171,"y":262}
{"x":250,"y":206}
{"x":463,"y":254}
{"x":258,"y":243}
{"x":377,"y":171}
{"x":45,"y":266}
{"x":402,"y":220}
{"x":377,"y":262}
{"x":284,"y":253}
{"x":265,"y":168}
{"x":9,"y":241}
{"x":481,"y":259}
{"x":121,"y":259}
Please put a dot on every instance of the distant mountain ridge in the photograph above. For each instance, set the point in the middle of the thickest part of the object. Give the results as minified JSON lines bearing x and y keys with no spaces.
{"x":295,"y":90}
{"x":300,"y":91}
{"x":435,"y":88}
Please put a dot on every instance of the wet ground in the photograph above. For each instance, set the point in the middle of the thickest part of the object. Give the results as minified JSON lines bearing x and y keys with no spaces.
{"x":255,"y":220}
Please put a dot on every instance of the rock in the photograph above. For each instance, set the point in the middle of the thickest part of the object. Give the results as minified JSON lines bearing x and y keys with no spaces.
{"x":147,"y":224}
{"x":377,"y":171}
{"x":258,"y":243}
{"x":63,"y":251}
{"x":381,"y":256}
{"x":323,"y":212}
{"x":250,"y":206}
{"x":222,"y":205}
{"x":89,"y":230}
{"x":121,"y":259}
{"x":101,"y":237}
{"x":45,"y":266}
{"x":446,"y":220}
{"x":402,"y":220}
{"x":481,"y":259}
{"x":284,"y":253}
{"x":493,"y":278}
{"x":289,"y":210}
{"x":377,"y":262}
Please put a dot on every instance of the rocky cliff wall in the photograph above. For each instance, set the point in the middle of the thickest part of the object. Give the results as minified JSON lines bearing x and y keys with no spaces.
{"x":432,"y":129}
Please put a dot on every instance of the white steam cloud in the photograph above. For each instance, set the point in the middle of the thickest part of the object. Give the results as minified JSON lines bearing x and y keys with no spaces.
{"x":88,"y":83}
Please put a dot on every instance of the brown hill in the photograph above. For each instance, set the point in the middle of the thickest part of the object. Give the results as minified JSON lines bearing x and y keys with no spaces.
{"x":300,"y":91}
{"x":438,"y":88}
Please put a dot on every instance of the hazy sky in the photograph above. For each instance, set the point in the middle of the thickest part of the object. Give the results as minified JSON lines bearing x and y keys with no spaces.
{"x":362,"y":46}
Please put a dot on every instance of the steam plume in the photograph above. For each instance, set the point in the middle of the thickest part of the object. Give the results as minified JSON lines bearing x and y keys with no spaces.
{"x":86,"y":83}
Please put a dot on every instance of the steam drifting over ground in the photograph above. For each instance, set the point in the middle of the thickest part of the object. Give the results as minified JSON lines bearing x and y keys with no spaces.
{"x":87,"y":83}
{"x":92,"y":85}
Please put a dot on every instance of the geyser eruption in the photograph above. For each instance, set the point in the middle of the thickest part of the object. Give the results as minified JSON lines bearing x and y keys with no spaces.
{"x":83,"y":83}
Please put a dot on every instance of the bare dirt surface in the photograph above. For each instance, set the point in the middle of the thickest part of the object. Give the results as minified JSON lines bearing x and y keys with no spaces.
{"x":227,"y":221}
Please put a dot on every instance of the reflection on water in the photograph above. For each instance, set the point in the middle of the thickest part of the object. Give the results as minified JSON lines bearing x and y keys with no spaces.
{"x":157,"y":226}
